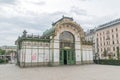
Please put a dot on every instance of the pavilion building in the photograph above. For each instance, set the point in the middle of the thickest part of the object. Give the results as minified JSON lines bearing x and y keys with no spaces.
{"x":63,"y":44}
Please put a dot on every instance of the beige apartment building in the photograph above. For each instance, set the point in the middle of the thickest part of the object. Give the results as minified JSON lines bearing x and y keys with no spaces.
{"x":107,"y":42}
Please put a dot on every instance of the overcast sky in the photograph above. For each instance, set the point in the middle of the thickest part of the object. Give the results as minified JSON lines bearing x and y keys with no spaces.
{"x":36,"y":16}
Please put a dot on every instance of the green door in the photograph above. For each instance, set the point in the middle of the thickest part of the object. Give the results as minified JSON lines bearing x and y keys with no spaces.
{"x":73,"y":60}
{"x":61,"y":57}
{"x":67,"y":57}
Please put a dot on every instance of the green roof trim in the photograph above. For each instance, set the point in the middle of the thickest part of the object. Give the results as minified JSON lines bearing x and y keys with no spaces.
{"x":34,"y":39}
{"x":19,"y":41}
{"x":49,"y":32}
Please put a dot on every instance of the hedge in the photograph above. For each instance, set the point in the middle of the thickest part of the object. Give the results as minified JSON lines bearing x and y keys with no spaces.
{"x":108,"y":62}
{"x":3,"y":61}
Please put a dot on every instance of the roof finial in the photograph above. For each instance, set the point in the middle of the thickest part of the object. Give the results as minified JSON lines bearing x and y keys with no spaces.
{"x":24,"y":33}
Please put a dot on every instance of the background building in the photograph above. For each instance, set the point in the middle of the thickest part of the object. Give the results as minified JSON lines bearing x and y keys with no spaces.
{"x":90,"y":35}
{"x":63,"y":44}
{"x":8,"y":48}
{"x":9,"y":53}
{"x":90,"y":39}
{"x":107,"y":42}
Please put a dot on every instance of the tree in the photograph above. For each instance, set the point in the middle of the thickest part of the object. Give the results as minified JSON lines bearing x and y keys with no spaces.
{"x":2,"y":52}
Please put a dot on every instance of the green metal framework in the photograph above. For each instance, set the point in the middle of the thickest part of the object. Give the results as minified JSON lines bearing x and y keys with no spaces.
{"x":67,"y":48}
{"x":67,"y":57}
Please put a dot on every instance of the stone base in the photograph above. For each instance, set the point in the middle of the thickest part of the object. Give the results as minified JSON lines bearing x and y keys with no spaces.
{"x":78,"y":62}
{"x":34,"y":64}
{"x":56,"y":64}
{"x":88,"y":62}
{"x":38,"y":64}
{"x":84,"y":62}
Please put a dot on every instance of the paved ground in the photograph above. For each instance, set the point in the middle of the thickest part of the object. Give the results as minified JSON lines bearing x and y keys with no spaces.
{"x":81,"y":72}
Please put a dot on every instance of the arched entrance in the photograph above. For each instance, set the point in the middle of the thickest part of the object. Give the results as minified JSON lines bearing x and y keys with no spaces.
{"x":67,"y":48}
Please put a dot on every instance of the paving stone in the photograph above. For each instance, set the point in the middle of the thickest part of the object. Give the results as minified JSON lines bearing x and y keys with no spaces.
{"x":75,"y":72}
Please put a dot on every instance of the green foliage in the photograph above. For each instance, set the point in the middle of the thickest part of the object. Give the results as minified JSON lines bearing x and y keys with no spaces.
{"x":108,"y":62}
{"x":118,"y":53}
{"x":2,"y":52}
{"x":3,"y":61}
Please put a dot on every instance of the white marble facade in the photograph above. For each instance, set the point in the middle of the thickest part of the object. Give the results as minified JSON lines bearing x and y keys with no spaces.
{"x":40,"y":53}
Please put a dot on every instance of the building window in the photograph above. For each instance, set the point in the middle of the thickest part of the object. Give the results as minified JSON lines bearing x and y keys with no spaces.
{"x":107,"y":32}
{"x":103,"y":38}
{"x":113,"y":42}
{"x":98,"y":50}
{"x":97,"y":34}
{"x":112,"y":36}
{"x":108,"y":37}
{"x":104,"y":43}
{"x":117,"y":42}
{"x":117,"y":49}
{"x":98,"y":45}
{"x":101,"y":49}
{"x":101,"y":44}
{"x":116,"y":29}
{"x":67,"y":25}
{"x":112,"y":30}
{"x":117,"y":35}
{"x":113,"y":48}
{"x":47,"y":45}
{"x":108,"y":49}
{"x":100,"y":38}
{"x":67,"y":40}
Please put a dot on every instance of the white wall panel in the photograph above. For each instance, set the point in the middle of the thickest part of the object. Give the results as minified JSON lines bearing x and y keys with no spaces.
{"x":56,"y":55}
{"x":28,"y":55}
{"x":91,"y":55}
{"x":84,"y":56}
{"x":78,"y":55}
{"x":47,"y":55}
{"x":40,"y":53}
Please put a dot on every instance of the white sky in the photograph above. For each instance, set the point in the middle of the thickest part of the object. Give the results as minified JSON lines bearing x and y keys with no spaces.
{"x":37,"y":15}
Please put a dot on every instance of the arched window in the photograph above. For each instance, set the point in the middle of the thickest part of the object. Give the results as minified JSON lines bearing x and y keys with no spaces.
{"x":66,"y":40}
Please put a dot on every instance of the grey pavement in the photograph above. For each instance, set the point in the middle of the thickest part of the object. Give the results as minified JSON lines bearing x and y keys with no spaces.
{"x":76,"y":72}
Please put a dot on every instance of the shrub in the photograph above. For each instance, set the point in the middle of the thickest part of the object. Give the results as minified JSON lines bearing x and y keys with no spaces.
{"x":108,"y":62}
{"x":3,"y":61}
